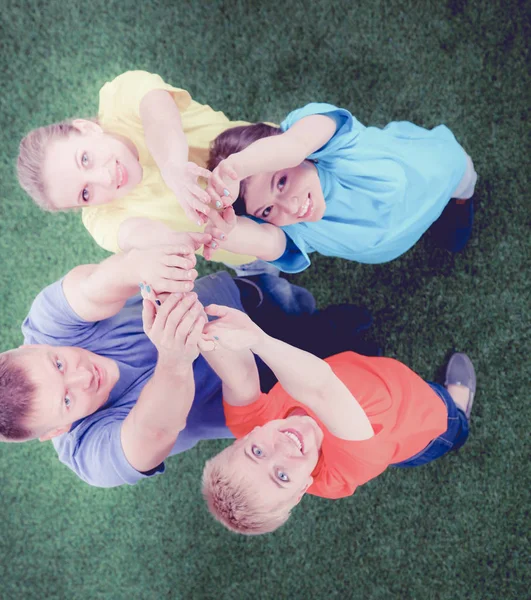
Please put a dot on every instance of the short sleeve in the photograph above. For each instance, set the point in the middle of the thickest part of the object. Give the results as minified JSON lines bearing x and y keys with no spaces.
{"x":295,"y":258}
{"x":347,"y":127}
{"x":93,"y":450}
{"x":242,"y":419}
{"x":51,"y":320}
{"x":103,"y":223}
{"x":123,"y":95}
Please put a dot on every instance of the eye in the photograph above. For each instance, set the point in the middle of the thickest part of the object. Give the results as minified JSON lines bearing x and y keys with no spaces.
{"x":282,"y":476}
{"x":84,"y":159}
{"x":266,"y":212}
{"x":257,"y":451}
{"x":282,"y":182}
{"x":59,"y":365}
{"x":68,"y":402}
{"x":85,"y":195}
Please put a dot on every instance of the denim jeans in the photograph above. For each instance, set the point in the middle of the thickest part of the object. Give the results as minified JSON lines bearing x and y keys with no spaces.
{"x":452,"y":439}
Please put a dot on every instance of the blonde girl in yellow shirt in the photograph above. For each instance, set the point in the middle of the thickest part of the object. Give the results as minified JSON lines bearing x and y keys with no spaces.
{"x":134,"y":171}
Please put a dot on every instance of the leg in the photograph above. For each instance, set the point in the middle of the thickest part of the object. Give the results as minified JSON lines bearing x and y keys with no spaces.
{"x":453,"y":228}
{"x":322,"y":332}
{"x":458,"y":396}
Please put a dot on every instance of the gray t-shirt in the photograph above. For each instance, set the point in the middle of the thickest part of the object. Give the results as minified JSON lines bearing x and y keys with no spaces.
{"x":92,"y":448}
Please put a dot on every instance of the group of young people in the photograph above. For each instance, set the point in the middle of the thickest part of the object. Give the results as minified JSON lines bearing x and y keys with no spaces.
{"x":120,"y":380}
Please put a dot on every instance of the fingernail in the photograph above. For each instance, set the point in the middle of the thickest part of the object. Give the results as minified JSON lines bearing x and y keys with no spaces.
{"x":218,"y":204}
{"x":158,"y":302}
{"x":216,"y":337}
{"x":189,"y":274}
{"x":141,"y":286}
{"x":222,"y":236}
{"x":199,"y":222}
{"x":226,"y":192}
{"x":214,"y":245}
{"x":148,"y":289}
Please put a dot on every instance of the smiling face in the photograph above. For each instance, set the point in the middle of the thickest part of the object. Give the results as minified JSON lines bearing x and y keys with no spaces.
{"x":71,"y":383}
{"x":280,"y":457}
{"x":287,"y":196}
{"x":89,"y":167}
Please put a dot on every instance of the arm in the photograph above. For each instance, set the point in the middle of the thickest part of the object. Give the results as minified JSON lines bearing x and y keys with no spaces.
{"x":159,"y":415}
{"x":166,"y":141}
{"x":305,"y":377}
{"x":282,"y":151}
{"x":96,"y":292}
{"x":141,"y":232}
{"x":244,"y":236}
{"x":238,"y":373}
{"x":286,"y":150}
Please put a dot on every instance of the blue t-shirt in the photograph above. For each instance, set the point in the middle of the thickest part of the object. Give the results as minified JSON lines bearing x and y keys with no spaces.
{"x":92,"y":448}
{"x":383,"y":188}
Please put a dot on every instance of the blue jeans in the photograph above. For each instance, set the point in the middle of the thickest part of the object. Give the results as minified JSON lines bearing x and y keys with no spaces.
{"x":452,"y":439}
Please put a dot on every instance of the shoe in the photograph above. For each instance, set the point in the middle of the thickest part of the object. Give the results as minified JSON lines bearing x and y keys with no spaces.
{"x":460,"y":371}
{"x":453,"y":228}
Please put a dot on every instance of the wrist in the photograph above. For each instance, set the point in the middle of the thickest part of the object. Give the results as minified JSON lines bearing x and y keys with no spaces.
{"x":170,"y":366}
{"x":262,"y":344}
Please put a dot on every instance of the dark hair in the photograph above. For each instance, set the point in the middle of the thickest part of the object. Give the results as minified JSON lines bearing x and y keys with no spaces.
{"x":235,"y":140}
{"x":16,"y":396}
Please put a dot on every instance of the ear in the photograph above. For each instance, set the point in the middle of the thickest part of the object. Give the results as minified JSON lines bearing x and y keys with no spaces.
{"x":85,"y":126}
{"x":54,"y":433}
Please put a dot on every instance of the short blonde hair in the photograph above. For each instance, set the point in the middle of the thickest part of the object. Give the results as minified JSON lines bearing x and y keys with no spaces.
{"x":32,"y":152}
{"x":234,"y":501}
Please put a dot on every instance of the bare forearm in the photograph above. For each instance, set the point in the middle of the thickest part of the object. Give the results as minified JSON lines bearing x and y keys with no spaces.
{"x":268,"y":154}
{"x":140,"y":232}
{"x":312,"y":382}
{"x":267,"y":242}
{"x":163,"y":130}
{"x":151,"y":428}
{"x":238,"y":374}
{"x":98,"y":291}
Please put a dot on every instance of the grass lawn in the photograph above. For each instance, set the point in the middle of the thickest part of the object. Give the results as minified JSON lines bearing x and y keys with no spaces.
{"x":455,"y":529}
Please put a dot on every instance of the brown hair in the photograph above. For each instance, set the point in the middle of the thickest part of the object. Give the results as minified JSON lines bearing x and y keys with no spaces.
{"x":31,"y":156}
{"x":16,"y":396}
{"x":234,"y":501}
{"x":235,"y":140}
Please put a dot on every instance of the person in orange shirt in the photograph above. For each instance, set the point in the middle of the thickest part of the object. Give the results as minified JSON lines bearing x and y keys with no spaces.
{"x":327,"y":427}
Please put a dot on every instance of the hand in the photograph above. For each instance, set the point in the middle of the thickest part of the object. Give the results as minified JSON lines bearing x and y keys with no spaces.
{"x":224,"y":185}
{"x":183,"y":183}
{"x":233,"y":329}
{"x":175,"y":328}
{"x":219,"y":226}
{"x":166,"y":268}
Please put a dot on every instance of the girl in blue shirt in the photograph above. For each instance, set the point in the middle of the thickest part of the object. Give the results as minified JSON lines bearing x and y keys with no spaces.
{"x":325,"y":183}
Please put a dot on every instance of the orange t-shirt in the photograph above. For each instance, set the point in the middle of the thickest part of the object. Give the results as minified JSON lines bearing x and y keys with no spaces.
{"x":404,"y":411}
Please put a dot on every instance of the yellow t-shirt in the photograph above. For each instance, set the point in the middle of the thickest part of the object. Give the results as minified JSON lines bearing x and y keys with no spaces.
{"x":119,"y":112}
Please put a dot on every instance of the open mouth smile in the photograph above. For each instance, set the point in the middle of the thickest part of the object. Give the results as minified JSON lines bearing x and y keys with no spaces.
{"x":296,"y":438}
{"x":121,"y":175}
{"x":306,"y":209}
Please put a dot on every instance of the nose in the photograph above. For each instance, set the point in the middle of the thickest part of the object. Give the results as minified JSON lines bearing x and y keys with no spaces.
{"x":80,"y":378}
{"x":102,"y":176}
{"x":292,"y":205}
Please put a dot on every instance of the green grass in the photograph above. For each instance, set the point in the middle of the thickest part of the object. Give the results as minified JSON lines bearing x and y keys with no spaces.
{"x":453,"y":529}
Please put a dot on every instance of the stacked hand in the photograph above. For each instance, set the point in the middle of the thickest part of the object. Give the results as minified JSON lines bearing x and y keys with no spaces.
{"x":233,"y":329}
{"x":167,"y":268}
{"x":183,"y":183}
{"x":220,"y":224}
{"x":176,"y":328}
{"x":224,"y":185}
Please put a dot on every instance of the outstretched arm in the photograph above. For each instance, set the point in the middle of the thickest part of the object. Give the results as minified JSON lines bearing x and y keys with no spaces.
{"x":244,"y":236}
{"x":305,"y":377}
{"x":282,"y":151}
{"x":167,"y":144}
{"x":96,"y":292}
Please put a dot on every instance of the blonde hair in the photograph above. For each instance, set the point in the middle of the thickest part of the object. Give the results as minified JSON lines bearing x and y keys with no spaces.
{"x":234,"y":500}
{"x":31,"y":157}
